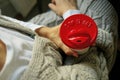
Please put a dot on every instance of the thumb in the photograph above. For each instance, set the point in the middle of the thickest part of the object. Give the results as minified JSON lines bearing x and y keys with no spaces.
{"x":52,"y":6}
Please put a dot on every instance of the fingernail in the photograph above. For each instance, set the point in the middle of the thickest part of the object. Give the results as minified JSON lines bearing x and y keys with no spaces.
{"x":75,"y":54}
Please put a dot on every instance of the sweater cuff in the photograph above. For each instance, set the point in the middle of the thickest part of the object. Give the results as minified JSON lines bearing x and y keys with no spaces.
{"x":70,"y":12}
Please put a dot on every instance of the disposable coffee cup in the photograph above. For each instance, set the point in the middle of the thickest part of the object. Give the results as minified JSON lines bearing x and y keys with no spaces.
{"x":79,"y":32}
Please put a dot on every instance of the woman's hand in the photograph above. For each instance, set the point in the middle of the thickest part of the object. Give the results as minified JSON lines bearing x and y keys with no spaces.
{"x":61,"y":6}
{"x":53,"y":35}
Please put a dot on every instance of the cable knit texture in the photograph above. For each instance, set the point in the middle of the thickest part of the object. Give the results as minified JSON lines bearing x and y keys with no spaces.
{"x":105,"y":17}
{"x":47,"y":62}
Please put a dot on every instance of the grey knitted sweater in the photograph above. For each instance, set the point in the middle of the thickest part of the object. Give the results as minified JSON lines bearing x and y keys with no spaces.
{"x":47,"y":62}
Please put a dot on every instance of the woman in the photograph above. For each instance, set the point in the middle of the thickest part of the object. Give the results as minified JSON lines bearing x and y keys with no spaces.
{"x":46,"y":62}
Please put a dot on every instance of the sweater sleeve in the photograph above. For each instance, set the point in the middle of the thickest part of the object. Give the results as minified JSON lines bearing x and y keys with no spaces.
{"x":25,"y":24}
{"x":106,"y":41}
{"x":46,"y":64}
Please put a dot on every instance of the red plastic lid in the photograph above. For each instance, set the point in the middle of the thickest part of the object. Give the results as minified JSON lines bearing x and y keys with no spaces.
{"x":78,"y":31}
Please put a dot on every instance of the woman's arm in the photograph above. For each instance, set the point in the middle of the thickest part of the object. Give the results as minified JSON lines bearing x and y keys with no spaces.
{"x":68,"y":6}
